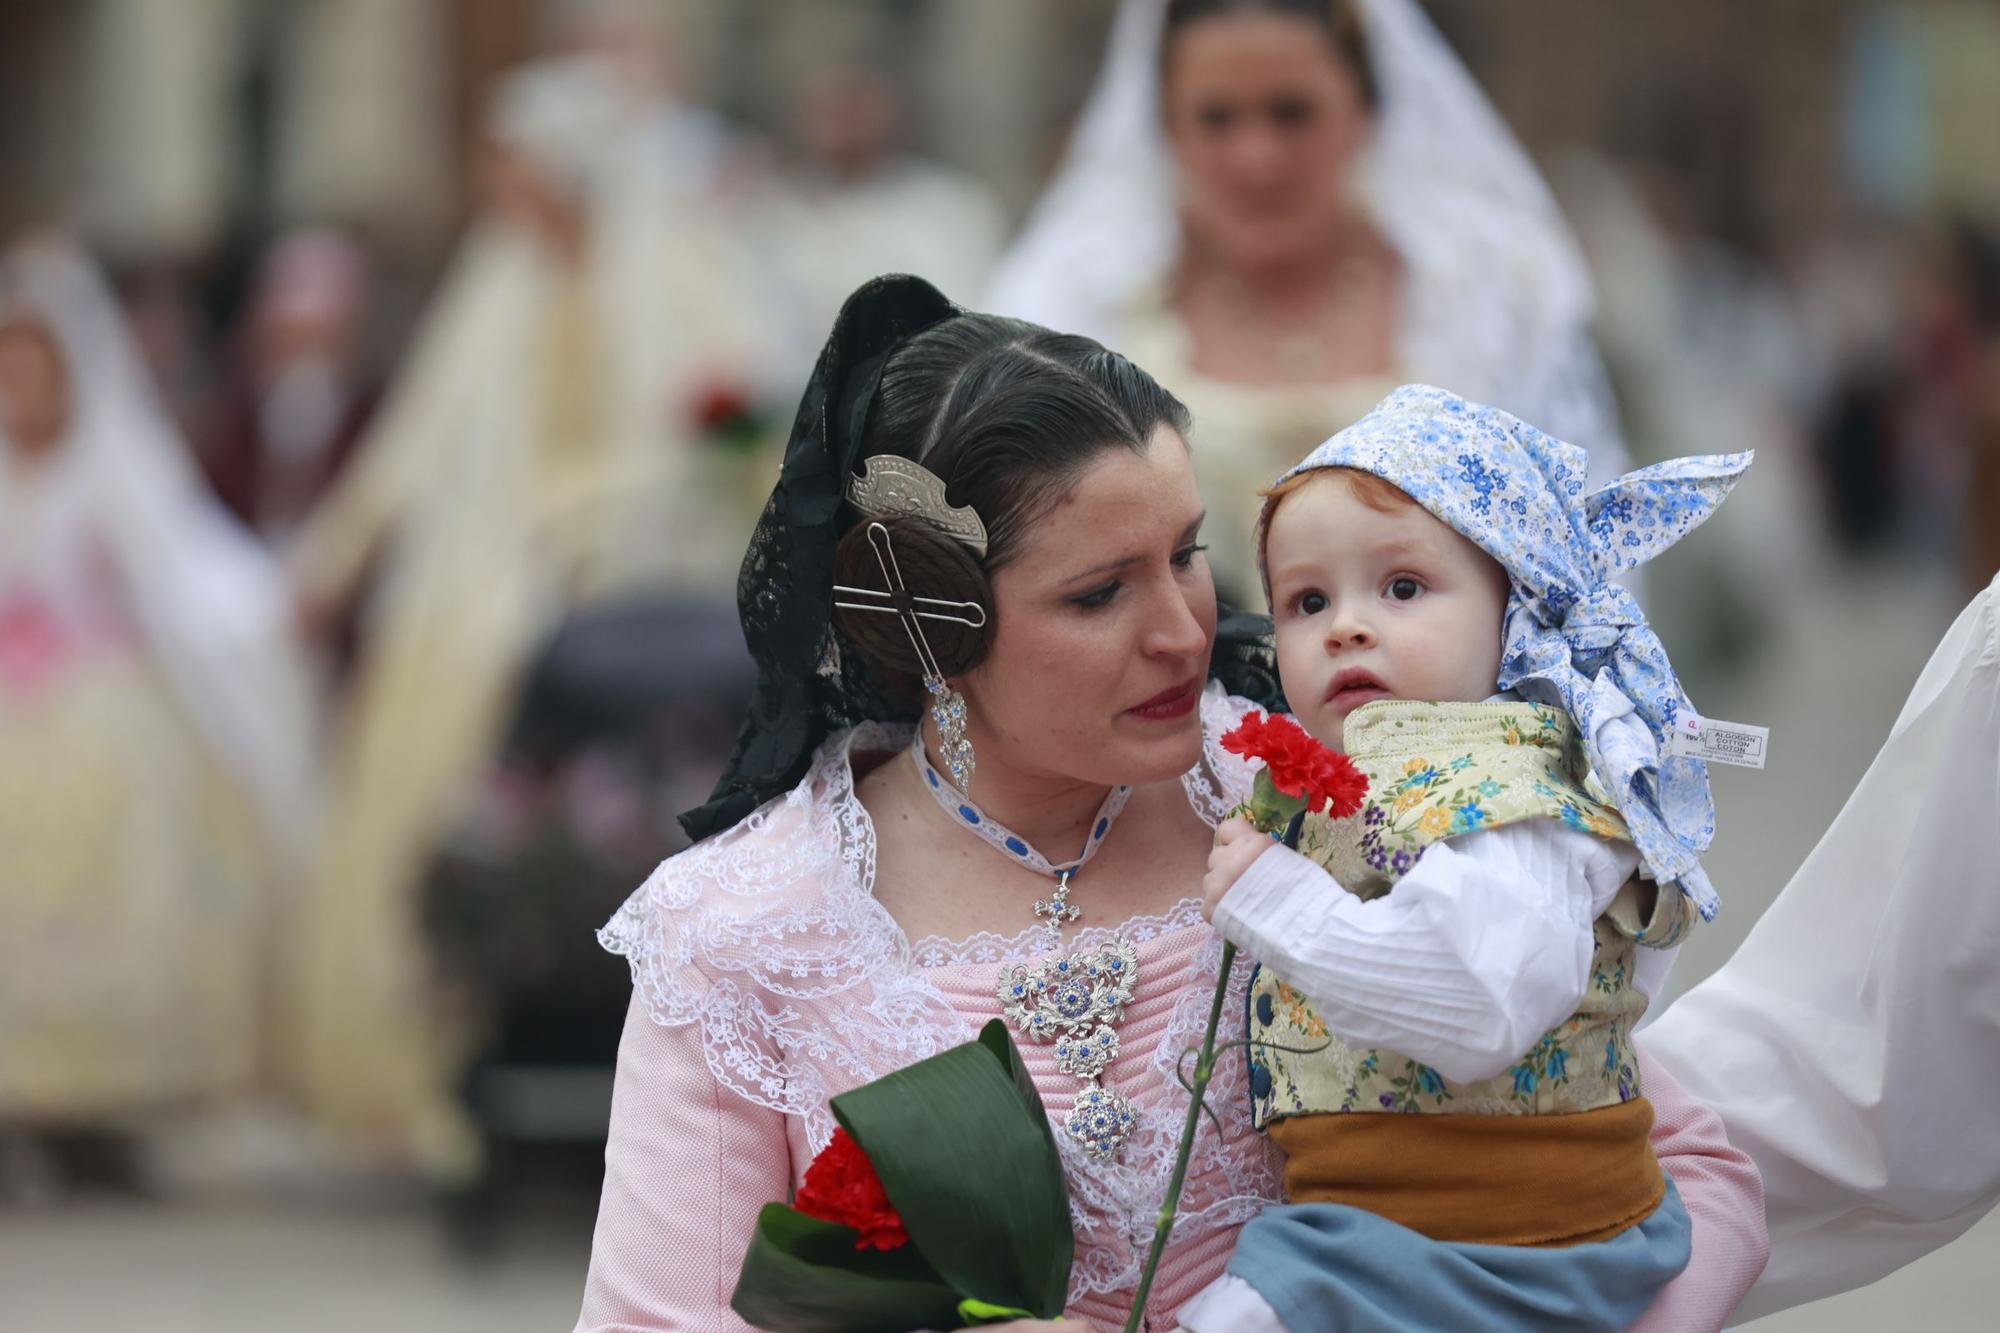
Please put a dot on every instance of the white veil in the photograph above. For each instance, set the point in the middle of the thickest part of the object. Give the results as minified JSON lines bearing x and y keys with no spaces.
{"x":1852,"y":1044}
{"x":209,"y":602}
{"x":1498,"y":299}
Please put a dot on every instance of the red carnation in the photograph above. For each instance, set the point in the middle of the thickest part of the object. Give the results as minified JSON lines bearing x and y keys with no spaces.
{"x":1299,"y":766}
{"x":841,"y":1186}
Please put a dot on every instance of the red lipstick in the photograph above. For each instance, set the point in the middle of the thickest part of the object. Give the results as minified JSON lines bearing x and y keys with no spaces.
{"x":1169,"y":704}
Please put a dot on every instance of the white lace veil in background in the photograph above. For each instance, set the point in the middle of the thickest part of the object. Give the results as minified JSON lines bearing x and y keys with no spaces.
{"x":1498,"y":300}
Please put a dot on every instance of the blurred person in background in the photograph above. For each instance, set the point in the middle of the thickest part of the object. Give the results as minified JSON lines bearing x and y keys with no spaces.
{"x":1851,"y":288}
{"x":1907,"y":336}
{"x":1705,"y":347}
{"x":1951,"y":455}
{"x":853,"y":202}
{"x":1284,"y":208}
{"x":545,"y":449}
{"x":155,"y":744}
{"x":298,"y":393}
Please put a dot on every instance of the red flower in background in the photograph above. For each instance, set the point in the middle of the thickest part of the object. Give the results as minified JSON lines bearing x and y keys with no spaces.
{"x":723,"y":412}
{"x":841,"y":1186}
{"x":1299,"y":765}
{"x":719,"y":406}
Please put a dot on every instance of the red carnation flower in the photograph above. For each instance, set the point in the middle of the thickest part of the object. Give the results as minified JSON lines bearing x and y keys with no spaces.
{"x":1299,"y":765}
{"x":841,"y":1186}
{"x":1342,"y":785}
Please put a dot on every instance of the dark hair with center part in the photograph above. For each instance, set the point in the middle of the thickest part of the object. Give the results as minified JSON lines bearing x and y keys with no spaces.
{"x":1007,"y":414}
{"x":1334,"y":18}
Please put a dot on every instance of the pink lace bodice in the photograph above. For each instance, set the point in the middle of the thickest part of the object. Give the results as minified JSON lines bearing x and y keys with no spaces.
{"x":768,"y":941}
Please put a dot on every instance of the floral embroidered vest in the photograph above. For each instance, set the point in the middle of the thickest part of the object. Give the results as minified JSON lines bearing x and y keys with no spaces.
{"x":1436,"y":771}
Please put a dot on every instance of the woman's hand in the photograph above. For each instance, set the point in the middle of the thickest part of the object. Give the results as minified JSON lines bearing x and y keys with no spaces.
{"x":1237,"y":843}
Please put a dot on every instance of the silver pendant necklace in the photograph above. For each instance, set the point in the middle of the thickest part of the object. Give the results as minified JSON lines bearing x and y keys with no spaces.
{"x":1073,"y":999}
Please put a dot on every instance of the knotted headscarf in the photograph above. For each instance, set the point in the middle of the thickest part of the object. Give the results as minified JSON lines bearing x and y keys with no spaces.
{"x":1518,"y":495}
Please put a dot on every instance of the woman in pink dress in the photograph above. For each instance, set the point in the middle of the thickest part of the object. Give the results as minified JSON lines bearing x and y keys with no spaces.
{"x":865,"y":890}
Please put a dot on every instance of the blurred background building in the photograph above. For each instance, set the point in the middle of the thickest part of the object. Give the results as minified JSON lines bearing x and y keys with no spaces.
{"x":486,"y":318}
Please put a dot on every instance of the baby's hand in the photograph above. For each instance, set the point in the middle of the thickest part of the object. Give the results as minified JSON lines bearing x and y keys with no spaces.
{"x":1237,"y":843}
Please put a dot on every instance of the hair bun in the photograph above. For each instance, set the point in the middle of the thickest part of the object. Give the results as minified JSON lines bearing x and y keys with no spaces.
{"x":932,"y":565}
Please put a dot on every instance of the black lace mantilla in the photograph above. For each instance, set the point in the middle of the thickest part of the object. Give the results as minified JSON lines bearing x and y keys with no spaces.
{"x":809,"y":684}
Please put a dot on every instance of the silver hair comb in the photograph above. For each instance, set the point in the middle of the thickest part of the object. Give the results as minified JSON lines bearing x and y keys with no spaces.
{"x":891,"y":485}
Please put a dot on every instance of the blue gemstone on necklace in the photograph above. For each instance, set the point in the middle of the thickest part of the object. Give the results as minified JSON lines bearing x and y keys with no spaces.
{"x":931,"y":773}
{"x":971,"y":816}
{"x":1103,"y":826}
{"x":1016,"y":846}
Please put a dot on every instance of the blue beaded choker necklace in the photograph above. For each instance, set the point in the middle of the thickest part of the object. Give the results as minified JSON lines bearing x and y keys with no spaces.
{"x":1072,"y":999}
{"x":968,"y":815}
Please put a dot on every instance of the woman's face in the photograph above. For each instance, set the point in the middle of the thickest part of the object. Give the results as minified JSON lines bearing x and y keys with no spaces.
{"x":1266,"y":121}
{"x":34,"y":389}
{"x":1103,"y":623}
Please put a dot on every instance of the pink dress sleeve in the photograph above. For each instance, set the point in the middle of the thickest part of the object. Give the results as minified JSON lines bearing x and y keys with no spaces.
{"x":687,"y":1168}
{"x":1724,"y":1196}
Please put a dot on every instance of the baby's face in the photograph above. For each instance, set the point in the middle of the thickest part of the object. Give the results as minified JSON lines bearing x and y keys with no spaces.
{"x":1373,"y":605}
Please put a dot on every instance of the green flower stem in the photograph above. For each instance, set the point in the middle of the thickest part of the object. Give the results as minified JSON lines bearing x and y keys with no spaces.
{"x":1293,"y":820}
{"x":1204,"y":1069}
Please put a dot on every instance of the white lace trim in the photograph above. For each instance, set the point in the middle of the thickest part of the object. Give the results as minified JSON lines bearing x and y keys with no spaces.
{"x":769,"y":937}
{"x":1033,"y":941}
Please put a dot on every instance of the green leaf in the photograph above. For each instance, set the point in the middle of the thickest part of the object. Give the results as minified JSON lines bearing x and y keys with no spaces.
{"x":803,"y":1275}
{"x":968,"y":1158}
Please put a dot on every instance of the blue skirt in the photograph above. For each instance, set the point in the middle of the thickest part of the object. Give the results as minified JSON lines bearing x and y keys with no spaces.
{"x":1330,"y":1267}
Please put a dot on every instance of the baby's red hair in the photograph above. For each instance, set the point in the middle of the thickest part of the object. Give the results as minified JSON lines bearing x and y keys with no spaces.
{"x":1384,"y":497}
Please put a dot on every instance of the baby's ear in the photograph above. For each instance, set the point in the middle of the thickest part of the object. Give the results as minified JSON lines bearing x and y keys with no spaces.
{"x":1643,"y":513}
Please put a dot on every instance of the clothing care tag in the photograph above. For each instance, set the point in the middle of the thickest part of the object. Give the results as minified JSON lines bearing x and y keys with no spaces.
{"x":1720,"y":742}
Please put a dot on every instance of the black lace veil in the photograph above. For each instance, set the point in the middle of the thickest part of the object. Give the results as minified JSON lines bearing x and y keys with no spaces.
{"x":809,"y":685}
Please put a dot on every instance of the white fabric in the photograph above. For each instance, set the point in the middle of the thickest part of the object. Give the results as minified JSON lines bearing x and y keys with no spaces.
{"x":1480,"y":949}
{"x":1230,"y":1305}
{"x":1497,"y":300}
{"x":768,"y":941}
{"x":206,"y":599}
{"x":819,"y":239}
{"x":1852,"y":1045}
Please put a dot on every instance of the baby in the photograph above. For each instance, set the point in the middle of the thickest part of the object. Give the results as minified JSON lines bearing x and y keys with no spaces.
{"x":1473,"y":948}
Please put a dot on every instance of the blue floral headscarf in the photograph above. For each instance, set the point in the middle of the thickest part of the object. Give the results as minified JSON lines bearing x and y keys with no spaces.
{"x":1519,"y":496}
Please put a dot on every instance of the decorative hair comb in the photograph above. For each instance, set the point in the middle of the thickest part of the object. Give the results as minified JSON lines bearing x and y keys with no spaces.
{"x":891,"y":485}
{"x":947,"y":705}
{"x":897,"y":600}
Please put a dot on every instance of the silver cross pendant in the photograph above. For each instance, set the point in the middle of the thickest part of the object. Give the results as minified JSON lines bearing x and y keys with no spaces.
{"x":1057,"y":909}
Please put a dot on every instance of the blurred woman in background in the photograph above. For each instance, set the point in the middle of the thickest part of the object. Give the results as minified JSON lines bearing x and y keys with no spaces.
{"x":1284,"y":208}
{"x":543,"y":451}
{"x":155,"y":734}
